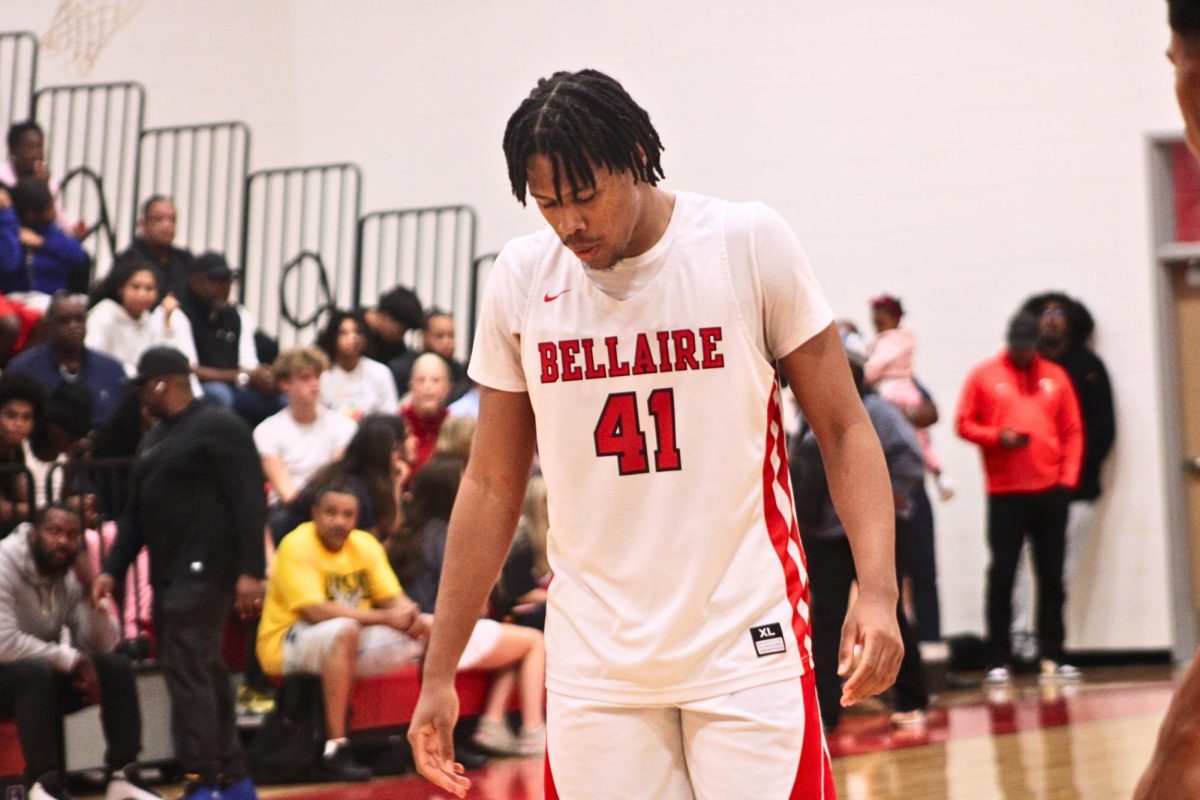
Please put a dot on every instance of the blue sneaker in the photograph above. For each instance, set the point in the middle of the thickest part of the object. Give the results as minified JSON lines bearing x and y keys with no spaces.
{"x":239,"y":790}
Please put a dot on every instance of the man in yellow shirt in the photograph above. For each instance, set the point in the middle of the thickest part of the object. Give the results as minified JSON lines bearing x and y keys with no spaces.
{"x":334,"y":608}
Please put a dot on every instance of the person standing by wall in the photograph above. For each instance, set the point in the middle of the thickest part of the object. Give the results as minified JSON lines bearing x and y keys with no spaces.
{"x":1021,"y":411}
{"x":197,"y":503}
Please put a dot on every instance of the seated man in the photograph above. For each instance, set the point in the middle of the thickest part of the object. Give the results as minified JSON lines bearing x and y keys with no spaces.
{"x":51,"y":261}
{"x":228,"y":366}
{"x":437,"y":336}
{"x":155,"y":244}
{"x":42,"y":679}
{"x":63,"y":358}
{"x":334,"y":608}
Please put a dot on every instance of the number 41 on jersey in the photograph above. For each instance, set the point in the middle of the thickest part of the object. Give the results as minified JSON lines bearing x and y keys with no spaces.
{"x":619,"y":432}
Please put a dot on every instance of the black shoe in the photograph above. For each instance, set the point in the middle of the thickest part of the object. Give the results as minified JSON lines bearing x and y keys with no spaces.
{"x":469,"y":757}
{"x":342,"y":766}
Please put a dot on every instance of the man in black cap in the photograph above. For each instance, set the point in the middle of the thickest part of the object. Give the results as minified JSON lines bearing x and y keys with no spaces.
{"x":1022,"y":411}
{"x":196,"y":502}
{"x":398,"y":312}
{"x":228,"y":366}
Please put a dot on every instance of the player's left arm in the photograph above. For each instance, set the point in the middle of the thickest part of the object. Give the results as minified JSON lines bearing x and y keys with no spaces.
{"x":820,"y":377}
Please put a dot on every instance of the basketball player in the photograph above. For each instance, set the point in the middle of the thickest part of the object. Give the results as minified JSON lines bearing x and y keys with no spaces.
{"x":1174,"y":769}
{"x":636,"y":340}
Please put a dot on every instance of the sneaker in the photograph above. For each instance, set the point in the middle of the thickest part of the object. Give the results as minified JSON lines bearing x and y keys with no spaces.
{"x":126,"y":784}
{"x":909,"y":719}
{"x":253,"y":702}
{"x":239,"y":790}
{"x":531,"y":742}
{"x":945,"y":486}
{"x":49,"y":787}
{"x":1054,"y":671}
{"x":342,"y":766}
{"x":495,"y":737}
{"x":997,"y":675}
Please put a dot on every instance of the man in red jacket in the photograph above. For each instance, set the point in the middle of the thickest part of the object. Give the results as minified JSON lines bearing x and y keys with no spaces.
{"x":1022,"y":412}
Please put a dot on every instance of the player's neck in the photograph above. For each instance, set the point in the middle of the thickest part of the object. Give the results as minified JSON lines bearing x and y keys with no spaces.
{"x":652,"y":224}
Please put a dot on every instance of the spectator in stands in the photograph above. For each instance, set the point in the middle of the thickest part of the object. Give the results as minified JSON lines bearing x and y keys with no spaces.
{"x":516,"y":654}
{"x":155,"y":244}
{"x":17,"y":321}
{"x":21,"y":402}
{"x":1021,"y":411}
{"x":831,"y":563}
{"x":335,"y":609}
{"x":27,"y":159}
{"x":397,"y":313}
{"x":354,"y":385}
{"x":304,"y":436}
{"x":133,"y":320}
{"x":60,"y":438}
{"x":64,"y":358}
{"x":425,"y":411}
{"x":51,"y":261}
{"x":437,"y":336}
{"x":455,"y":437}
{"x":226,"y":358}
{"x":42,"y":594}
{"x":197,"y":503}
{"x":520,"y":593}
{"x":374,"y":466}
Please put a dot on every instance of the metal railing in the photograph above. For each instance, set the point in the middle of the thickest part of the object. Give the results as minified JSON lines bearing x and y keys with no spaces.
{"x":429,"y":250}
{"x":105,"y":245}
{"x":18,"y":75}
{"x":96,"y":126}
{"x":481,"y":270}
{"x":306,"y":218}
{"x":203,"y":168}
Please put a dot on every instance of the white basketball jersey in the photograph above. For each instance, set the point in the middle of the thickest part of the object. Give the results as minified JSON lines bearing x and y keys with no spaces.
{"x":678,"y":570}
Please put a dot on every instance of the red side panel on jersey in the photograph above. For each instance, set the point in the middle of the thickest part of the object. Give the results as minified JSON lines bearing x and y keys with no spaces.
{"x":548,"y":780}
{"x":814,"y":776}
{"x":782,"y":527}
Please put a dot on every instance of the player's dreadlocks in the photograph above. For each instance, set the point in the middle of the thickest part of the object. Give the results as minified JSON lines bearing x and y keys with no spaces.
{"x":581,"y":119}
{"x":1184,"y":16}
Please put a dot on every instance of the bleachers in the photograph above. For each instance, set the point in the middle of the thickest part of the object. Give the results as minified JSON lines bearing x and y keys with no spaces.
{"x":298,"y":233}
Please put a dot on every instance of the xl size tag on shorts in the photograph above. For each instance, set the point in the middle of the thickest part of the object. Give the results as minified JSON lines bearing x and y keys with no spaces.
{"x":768,"y":639}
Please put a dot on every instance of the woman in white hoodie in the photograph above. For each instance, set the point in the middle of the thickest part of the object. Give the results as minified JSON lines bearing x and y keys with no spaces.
{"x":131,"y":321}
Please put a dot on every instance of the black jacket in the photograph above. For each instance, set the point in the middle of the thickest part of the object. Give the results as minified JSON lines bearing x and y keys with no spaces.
{"x":1090,"y":379}
{"x":196,"y":501}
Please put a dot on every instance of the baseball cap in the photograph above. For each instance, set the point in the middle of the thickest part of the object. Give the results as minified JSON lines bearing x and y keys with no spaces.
{"x":212,"y":265}
{"x":1023,"y":331}
{"x":159,"y":362}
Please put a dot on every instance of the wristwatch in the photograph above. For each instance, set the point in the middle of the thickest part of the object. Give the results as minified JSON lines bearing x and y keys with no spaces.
{"x":243,"y":380}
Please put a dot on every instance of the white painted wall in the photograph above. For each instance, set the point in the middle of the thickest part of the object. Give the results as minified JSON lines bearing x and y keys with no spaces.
{"x":963,"y":154}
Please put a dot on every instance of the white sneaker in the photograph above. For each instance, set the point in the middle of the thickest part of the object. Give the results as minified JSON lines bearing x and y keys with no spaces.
{"x":531,"y":741}
{"x":945,"y":486}
{"x":40,"y":792}
{"x":495,"y":738}
{"x":1054,"y":671}
{"x":997,"y":675}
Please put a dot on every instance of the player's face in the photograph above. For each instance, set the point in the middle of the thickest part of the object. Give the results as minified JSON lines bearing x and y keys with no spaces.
{"x":596,"y":222}
{"x":439,"y":336}
{"x":1185,"y":56}
{"x":334,"y":517}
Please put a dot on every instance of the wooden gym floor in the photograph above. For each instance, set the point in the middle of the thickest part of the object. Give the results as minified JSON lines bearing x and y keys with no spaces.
{"x":1084,"y":742}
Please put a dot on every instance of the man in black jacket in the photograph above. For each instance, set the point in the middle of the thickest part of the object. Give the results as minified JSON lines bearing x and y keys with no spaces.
{"x":196,"y":501}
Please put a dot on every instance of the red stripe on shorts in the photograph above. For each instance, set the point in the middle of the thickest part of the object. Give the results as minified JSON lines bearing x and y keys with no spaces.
{"x":548,"y":779}
{"x":814,"y":775}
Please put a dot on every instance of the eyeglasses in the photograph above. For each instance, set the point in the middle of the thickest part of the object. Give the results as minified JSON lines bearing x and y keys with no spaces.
{"x":1054,"y":313}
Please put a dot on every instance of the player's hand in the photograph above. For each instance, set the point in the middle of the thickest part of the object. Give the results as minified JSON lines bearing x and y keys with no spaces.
{"x":5,"y":200}
{"x":102,"y":589}
{"x":871,"y":649}
{"x":249,"y":596}
{"x":431,"y":736}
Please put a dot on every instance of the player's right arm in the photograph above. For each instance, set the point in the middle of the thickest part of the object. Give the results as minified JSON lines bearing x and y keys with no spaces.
{"x":481,"y":531}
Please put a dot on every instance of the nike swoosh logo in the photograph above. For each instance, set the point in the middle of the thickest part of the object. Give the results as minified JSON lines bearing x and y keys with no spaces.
{"x":549,"y":297}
